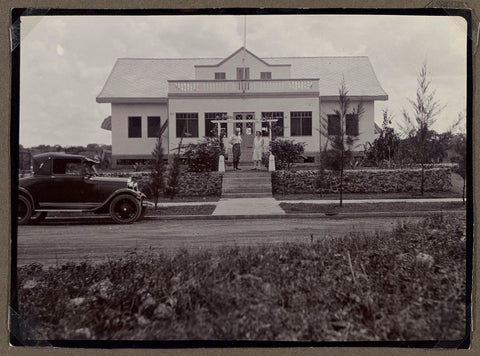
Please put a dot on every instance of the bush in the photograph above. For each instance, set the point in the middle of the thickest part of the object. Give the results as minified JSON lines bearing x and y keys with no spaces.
{"x":203,"y":156}
{"x":286,"y":152}
{"x":173,"y":181}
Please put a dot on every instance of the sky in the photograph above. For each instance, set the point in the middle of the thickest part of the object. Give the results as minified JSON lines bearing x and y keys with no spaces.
{"x":65,"y":60}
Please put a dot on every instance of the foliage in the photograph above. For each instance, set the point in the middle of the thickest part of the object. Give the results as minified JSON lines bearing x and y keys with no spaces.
{"x":173,"y":180}
{"x":357,"y":287}
{"x":340,"y":145}
{"x":203,"y":156}
{"x":385,"y":147}
{"x":157,"y":171}
{"x":459,"y":144}
{"x":286,"y":152}
{"x":422,"y":141}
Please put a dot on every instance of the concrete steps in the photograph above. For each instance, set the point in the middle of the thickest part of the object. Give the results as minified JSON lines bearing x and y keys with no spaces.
{"x":246,"y":184}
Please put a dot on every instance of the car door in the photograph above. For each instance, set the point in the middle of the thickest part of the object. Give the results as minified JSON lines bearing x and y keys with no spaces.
{"x":66,"y":183}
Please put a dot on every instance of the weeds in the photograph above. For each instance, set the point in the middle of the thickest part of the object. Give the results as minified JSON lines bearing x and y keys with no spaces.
{"x":360,"y":287}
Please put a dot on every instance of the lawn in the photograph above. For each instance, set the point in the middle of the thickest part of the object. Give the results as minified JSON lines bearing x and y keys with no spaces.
{"x":347,"y":196}
{"x":299,"y":208}
{"x":405,"y":285}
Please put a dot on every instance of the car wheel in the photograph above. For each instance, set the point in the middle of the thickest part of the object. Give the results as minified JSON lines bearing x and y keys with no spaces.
{"x":125,"y":209}
{"x":142,"y":213}
{"x":38,"y":217}
{"x":24,"y":210}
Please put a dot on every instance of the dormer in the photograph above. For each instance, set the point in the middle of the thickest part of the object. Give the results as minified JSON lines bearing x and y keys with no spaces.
{"x":241,"y":65}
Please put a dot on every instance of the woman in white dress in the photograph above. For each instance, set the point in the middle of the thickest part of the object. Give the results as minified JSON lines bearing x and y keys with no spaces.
{"x":257,"y":150}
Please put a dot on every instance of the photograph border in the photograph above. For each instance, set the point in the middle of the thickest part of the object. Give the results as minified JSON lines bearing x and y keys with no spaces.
{"x":14,"y":134}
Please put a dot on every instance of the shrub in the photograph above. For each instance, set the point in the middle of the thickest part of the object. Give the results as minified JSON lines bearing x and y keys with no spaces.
{"x":286,"y":152}
{"x":157,"y":170}
{"x":173,"y":182}
{"x":203,"y":156}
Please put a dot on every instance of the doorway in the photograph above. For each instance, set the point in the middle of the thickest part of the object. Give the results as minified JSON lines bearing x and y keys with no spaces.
{"x":246,"y":123}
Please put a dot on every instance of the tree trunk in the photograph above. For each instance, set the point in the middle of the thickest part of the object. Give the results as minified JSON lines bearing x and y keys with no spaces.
{"x":463,"y":191}
{"x":422,"y":183}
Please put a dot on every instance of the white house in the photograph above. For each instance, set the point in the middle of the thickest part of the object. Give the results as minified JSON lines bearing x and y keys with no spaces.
{"x":186,"y":94}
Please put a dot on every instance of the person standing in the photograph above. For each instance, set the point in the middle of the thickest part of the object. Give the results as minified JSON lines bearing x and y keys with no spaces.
{"x":257,"y":150}
{"x":236,"y":140}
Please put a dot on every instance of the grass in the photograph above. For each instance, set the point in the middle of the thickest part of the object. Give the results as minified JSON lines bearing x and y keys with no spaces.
{"x":359,"y":287}
{"x":210,"y":198}
{"x":347,"y":196}
{"x":292,"y":208}
{"x":182,"y":210}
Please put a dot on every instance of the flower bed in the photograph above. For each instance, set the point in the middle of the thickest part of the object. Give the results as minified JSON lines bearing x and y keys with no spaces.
{"x":361,"y":181}
{"x":191,"y":183}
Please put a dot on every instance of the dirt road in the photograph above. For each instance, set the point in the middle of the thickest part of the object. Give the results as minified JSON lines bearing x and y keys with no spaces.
{"x":73,"y":240}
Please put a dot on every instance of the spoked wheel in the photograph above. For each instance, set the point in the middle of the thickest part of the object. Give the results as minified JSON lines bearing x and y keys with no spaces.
{"x":125,"y":209}
{"x":38,"y":217}
{"x":24,"y":210}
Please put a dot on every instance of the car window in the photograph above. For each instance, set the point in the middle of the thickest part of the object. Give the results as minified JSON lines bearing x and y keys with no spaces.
{"x":45,"y":168}
{"x":67,"y":166}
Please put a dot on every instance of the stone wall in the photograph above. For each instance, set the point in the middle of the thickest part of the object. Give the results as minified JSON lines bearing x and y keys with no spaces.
{"x":361,"y":181}
{"x":191,"y":183}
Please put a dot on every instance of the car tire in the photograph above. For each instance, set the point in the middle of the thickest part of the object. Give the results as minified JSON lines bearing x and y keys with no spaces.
{"x":142,"y":213}
{"x":24,"y":210}
{"x":125,"y":209}
{"x":38,"y":217}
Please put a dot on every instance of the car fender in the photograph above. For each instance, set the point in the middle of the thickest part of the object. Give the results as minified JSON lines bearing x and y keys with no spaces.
{"x":140,"y":196}
{"x":25,"y":192}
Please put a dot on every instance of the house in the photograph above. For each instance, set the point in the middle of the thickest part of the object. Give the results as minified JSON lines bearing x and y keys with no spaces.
{"x":189,"y":98}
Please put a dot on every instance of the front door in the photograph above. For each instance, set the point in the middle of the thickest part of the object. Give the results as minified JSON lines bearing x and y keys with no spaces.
{"x":247,"y":125}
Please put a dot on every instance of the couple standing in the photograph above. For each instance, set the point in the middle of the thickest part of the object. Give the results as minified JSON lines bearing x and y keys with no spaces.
{"x":258,"y":143}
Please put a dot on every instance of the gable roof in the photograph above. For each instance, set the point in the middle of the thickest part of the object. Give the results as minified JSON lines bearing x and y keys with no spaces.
{"x":146,"y":79}
{"x":238,"y":51}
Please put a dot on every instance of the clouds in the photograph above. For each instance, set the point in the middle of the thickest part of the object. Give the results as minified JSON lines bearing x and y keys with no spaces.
{"x":66,"y":60}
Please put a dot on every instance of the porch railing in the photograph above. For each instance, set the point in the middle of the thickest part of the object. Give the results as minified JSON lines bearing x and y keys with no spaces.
{"x":195,"y":87}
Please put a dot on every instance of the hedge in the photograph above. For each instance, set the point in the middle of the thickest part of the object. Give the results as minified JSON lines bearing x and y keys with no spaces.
{"x":361,"y":181}
{"x":191,"y":183}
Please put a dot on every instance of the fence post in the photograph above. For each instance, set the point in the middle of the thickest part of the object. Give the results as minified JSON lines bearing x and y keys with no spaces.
{"x":221,"y":163}
{"x":271,"y":163}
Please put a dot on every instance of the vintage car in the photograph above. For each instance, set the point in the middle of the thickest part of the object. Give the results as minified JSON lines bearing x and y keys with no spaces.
{"x":69,"y":183}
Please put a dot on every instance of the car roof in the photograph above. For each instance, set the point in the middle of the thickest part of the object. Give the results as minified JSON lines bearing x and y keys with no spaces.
{"x":47,"y":155}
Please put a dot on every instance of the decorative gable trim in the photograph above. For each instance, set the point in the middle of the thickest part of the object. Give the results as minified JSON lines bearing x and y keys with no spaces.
{"x":234,"y":54}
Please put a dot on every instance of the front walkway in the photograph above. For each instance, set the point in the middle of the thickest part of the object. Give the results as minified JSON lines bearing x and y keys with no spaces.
{"x":248,"y":206}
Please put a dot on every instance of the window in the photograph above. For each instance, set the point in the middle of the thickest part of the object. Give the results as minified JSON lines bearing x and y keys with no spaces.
{"x":351,"y":125}
{"x":71,"y":167}
{"x":265,"y":75}
{"x":210,"y":127}
{"x":300,"y":123}
{"x":187,"y":124}
{"x":277,"y":127}
{"x":334,"y":127}
{"x":134,"y":126}
{"x":220,"y":76}
{"x":243,"y":73}
{"x":153,"y":123}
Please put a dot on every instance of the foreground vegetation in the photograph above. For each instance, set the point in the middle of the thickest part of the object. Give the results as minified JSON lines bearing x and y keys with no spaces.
{"x":405,"y":285}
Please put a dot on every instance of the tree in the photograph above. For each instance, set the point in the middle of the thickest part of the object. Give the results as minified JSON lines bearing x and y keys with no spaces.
{"x":425,"y":110}
{"x":341,"y":143}
{"x":386,"y":145}
{"x":460,"y":149}
{"x":173,"y":181}
{"x":286,"y":152}
{"x":157,"y":172}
